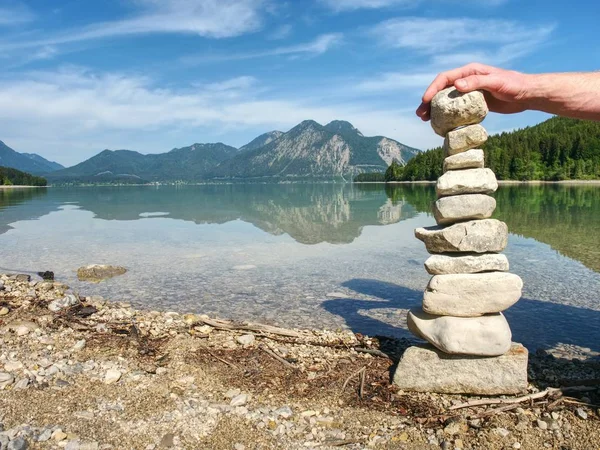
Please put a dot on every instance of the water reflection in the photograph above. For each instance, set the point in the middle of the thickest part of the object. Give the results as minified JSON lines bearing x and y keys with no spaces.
{"x":310,"y":214}
{"x":565,"y":217}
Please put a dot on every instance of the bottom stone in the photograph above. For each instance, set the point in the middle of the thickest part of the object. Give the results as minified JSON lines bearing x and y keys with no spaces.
{"x":424,"y":368}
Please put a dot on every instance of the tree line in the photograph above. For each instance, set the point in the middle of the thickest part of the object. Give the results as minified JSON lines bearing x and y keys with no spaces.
{"x":554,"y":150}
{"x":14,"y":177}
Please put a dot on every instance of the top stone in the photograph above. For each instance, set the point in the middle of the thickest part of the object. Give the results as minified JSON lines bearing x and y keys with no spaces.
{"x":451,"y":109}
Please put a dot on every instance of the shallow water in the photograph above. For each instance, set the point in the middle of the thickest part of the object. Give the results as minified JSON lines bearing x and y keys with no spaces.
{"x":304,"y":255}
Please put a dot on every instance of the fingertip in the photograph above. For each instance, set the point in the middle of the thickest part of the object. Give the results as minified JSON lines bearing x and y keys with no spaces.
{"x":461,"y":84}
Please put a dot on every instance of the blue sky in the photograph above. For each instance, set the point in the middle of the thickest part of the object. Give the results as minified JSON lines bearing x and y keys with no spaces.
{"x":80,"y":76}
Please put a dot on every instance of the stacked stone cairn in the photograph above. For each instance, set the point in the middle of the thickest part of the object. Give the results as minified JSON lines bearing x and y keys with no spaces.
{"x":470,"y":349}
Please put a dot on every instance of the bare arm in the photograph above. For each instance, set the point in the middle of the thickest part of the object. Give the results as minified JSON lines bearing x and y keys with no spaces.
{"x":567,"y":94}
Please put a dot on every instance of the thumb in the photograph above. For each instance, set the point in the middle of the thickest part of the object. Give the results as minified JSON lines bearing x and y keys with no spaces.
{"x":489,"y":83}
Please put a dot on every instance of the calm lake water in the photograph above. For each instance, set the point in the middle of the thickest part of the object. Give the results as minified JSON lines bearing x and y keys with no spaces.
{"x":304,"y":255}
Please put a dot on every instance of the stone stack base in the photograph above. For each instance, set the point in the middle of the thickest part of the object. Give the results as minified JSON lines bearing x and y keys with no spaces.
{"x":424,"y":368}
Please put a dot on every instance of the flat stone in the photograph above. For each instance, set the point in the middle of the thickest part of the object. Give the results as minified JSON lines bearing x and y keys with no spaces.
{"x":471,"y":295}
{"x":451,"y":109}
{"x":478,"y":236}
{"x":425,"y":369}
{"x":463,"y":139}
{"x":479,"y":336}
{"x":246,"y":339}
{"x":239,"y":400}
{"x":459,"y":208}
{"x":447,"y":264}
{"x":112,"y":376}
{"x":467,"y":181}
{"x":471,"y":159}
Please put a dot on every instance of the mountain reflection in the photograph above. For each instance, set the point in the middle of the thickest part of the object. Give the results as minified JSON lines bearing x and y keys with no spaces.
{"x":309,"y":213}
{"x":567,"y":217}
{"x":25,"y":204}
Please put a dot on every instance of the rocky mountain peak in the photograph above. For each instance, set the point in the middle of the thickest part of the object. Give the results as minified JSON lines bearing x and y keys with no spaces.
{"x":342,"y":127}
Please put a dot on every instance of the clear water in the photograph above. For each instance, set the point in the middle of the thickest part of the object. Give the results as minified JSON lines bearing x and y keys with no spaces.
{"x":273,"y":253}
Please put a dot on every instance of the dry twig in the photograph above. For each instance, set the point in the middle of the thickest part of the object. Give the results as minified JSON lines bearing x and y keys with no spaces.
{"x":274,"y":355}
{"x":372,"y":351}
{"x":246,"y":326}
{"x":491,"y":412}
{"x":224,"y":361}
{"x":497,"y":401}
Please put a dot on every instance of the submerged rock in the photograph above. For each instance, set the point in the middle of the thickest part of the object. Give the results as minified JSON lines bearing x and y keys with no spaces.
{"x":99,"y":272}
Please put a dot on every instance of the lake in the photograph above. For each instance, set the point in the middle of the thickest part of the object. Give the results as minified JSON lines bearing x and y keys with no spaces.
{"x":304,"y":255}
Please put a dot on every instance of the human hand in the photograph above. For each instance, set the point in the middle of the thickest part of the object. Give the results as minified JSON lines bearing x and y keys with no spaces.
{"x":505,"y":91}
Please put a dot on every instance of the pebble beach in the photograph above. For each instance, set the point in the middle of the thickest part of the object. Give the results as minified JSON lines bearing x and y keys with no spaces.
{"x":82,"y":372}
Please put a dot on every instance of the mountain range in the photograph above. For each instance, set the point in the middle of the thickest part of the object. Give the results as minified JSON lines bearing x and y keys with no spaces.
{"x":308,"y":151}
{"x":26,"y":162}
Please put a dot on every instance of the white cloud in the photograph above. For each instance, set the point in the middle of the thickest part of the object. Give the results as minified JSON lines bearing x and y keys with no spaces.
{"x":431,"y":36}
{"x":88,"y":110}
{"x":237,"y":83}
{"x":351,"y":5}
{"x":15,"y":13}
{"x":394,"y":81}
{"x":318,"y":46}
{"x":208,"y":18}
{"x":281,"y":32}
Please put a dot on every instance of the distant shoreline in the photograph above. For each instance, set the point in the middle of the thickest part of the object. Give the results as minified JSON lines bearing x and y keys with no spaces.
{"x":535,"y":182}
{"x":21,"y":187}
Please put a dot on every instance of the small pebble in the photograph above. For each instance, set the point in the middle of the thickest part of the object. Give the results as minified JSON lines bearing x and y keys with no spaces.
{"x":4,"y":311}
{"x":542,"y":425}
{"x":239,"y":400}
{"x":17,"y":444}
{"x":112,"y":376}
{"x":79,"y":345}
{"x":581,"y":413}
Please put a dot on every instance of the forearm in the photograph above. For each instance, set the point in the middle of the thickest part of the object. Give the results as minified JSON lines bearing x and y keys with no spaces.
{"x":566,"y":94}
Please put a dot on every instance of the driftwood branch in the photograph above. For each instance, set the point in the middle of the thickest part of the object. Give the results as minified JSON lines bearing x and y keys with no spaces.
{"x":274,"y":355}
{"x":492,"y":412}
{"x":498,"y":401}
{"x":224,"y":361}
{"x":247,"y":326}
{"x":371,"y":351}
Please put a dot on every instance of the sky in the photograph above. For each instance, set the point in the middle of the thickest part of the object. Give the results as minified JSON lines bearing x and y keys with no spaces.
{"x":80,"y":76}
